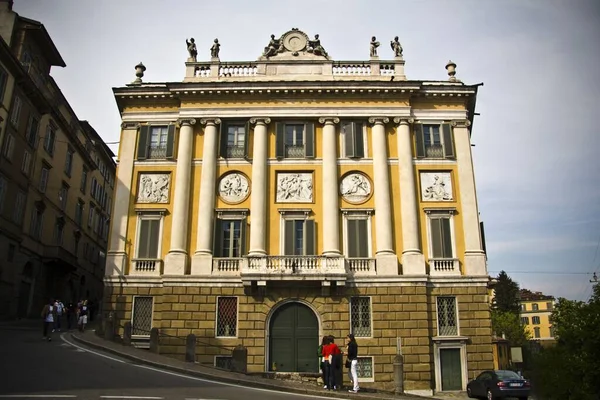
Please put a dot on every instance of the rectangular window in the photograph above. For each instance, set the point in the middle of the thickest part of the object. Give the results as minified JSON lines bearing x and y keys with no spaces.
{"x":295,"y":140}
{"x":141,"y":315}
{"x":59,"y":227}
{"x":35,"y":229}
{"x":549,"y":306}
{"x":230,"y":238}
{"x":354,"y":145}
{"x":91,"y":213}
{"x":434,"y":141}
{"x":3,"y":81}
{"x":32,"y":130}
{"x":447,"y":316}
{"x":234,"y":140}
{"x":69,"y":162}
{"x":15,"y":113}
{"x":299,"y":237}
{"x":26,"y":163}
{"x":19,"y":209}
{"x":535,"y":320}
{"x":525,"y":320}
{"x":84,"y":175}
{"x":3,"y":189}
{"x":536,"y":333}
{"x":227,"y":316}
{"x":44,"y":179}
{"x":79,"y":212}
{"x":358,"y":237}
{"x":148,"y":237}
{"x":50,"y":139}
{"x":523,"y":307}
{"x":360,"y":316}
{"x":63,"y":196}
{"x":9,"y":146}
{"x":156,"y":142}
{"x":364,"y":369}
{"x":535,"y":307}
{"x":441,"y":236}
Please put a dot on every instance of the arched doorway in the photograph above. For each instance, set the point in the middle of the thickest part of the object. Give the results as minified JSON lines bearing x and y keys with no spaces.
{"x":293,"y":339}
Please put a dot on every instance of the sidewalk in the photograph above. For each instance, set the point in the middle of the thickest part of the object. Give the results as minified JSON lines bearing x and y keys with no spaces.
{"x":90,"y":339}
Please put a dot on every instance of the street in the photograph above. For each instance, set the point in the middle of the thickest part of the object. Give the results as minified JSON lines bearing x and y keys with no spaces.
{"x":34,"y":368}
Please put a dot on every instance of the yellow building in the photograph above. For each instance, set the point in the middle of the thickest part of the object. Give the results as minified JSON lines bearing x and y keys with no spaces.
{"x":56,"y":179}
{"x":269,"y":203}
{"x":536,"y":312}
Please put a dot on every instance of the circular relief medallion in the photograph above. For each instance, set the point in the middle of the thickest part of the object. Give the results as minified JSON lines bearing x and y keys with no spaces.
{"x":234,"y":188}
{"x":295,"y":41}
{"x":355,"y":188}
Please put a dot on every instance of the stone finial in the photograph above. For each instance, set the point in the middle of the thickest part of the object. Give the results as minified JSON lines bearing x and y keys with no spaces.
{"x":451,"y":68}
{"x":139,"y":72}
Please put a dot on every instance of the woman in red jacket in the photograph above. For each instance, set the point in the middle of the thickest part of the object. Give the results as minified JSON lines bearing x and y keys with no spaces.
{"x":331,"y":354}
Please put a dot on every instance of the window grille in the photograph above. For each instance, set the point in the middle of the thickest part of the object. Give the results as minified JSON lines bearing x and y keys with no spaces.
{"x":224,"y":362}
{"x":364,"y":368}
{"x":142,"y":316}
{"x":447,"y":321}
{"x":360,"y":316}
{"x":227,"y":317}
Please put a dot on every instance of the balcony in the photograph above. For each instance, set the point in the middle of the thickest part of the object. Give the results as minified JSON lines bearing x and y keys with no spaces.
{"x":294,"y":151}
{"x":227,"y":266}
{"x":60,"y":255}
{"x":294,"y":268}
{"x":361,"y":266}
{"x":157,"y":152}
{"x":444,"y":267}
{"x":146,"y":267}
{"x":236,"y":151}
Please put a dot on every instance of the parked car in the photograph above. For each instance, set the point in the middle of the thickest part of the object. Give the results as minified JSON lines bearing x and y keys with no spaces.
{"x":492,"y":385}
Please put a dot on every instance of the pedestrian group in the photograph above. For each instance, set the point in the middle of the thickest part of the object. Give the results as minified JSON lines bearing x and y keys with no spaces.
{"x":330,"y":357}
{"x":52,"y":315}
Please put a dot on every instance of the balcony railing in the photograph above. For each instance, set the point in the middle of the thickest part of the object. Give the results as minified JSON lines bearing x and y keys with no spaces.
{"x":361,"y":266}
{"x":293,"y":267}
{"x":236,"y":151}
{"x":294,"y":151}
{"x":157,"y":152}
{"x":146,"y":266}
{"x":434,"y":151}
{"x":444,"y":266}
{"x":227,"y":266}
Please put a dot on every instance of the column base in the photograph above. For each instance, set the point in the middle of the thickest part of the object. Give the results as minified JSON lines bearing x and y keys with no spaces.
{"x":413,"y":263}
{"x":176,"y":263}
{"x":387,"y":264}
{"x":116,"y":263}
{"x":475,"y":263}
{"x":202,"y":264}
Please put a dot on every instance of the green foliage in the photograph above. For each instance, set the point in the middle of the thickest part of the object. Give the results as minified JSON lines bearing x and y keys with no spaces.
{"x":506,"y":296}
{"x":571,"y":369}
{"x":509,"y":324}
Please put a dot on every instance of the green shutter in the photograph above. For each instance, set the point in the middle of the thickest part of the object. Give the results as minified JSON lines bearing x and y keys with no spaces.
{"x":218,"y":238}
{"x":309,"y":238}
{"x":280,"y":140}
{"x":447,"y":237}
{"x":349,"y":149}
{"x":363,"y":238}
{"x":243,"y":229}
{"x":352,"y":238}
{"x":436,"y":238}
{"x":448,"y":143}
{"x":359,"y":144}
{"x":247,"y":139}
{"x":420,"y":140}
{"x":170,"y":141}
{"x":143,"y":235}
{"x":223,"y":133}
{"x":153,"y":250}
{"x":289,"y":237}
{"x":309,"y":138}
{"x":142,"y":151}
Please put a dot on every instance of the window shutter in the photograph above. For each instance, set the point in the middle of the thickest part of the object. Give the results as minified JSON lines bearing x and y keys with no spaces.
{"x":142,"y":151}
{"x":448,"y":143}
{"x":243,"y":229}
{"x":447,"y":237}
{"x":352,"y":238}
{"x":280,"y":140}
{"x":359,"y":144}
{"x":224,"y":132}
{"x":482,"y":235}
{"x":310,"y":238}
{"x":349,"y":149}
{"x":218,"y":238}
{"x":436,"y":238}
{"x":420,"y":140}
{"x":309,"y":145}
{"x":143,"y":238}
{"x":153,"y":250}
{"x":170,"y":141}
{"x":246,"y":139}
{"x":288,"y":237}
{"x":363,"y":237}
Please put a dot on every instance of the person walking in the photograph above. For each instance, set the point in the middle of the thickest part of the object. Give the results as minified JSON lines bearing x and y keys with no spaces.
{"x":60,"y":307}
{"x":352,"y":359}
{"x":69,"y":311}
{"x":48,"y":314}
{"x":83,"y":316}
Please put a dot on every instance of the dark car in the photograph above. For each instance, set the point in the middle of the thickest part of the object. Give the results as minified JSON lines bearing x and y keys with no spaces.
{"x":498,"y":385}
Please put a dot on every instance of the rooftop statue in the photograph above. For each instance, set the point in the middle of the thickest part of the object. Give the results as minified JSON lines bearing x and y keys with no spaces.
{"x":191,"y":48}
{"x":373,"y":47}
{"x":396,"y":47}
{"x":214,"y":50}
{"x":314,"y":46}
{"x":275,"y":46}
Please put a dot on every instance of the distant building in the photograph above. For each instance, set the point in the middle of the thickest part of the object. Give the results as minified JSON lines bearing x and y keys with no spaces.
{"x":56,"y":179}
{"x":536,"y":310}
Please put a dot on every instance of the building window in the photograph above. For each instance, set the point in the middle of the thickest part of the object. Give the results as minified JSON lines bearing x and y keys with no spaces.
{"x":354,"y":142}
{"x":227,"y":316}
{"x":44,"y":179}
{"x":84,"y":175}
{"x":79,"y":212}
{"x":230,"y":238}
{"x":141,"y":315}
{"x":156,"y":142}
{"x":9,"y":146}
{"x":26,"y":163}
{"x":552,"y":331}
{"x":32,"y":130}
{"x":535,"y":320}
{"x":148,"y":236}
{"x":434,"y":141}
{"x":360,"y":316}
{"x":19,"y":209}
{"x":3,"y":189}
{"x":364,"y":369}
{"x":536,"y":333}
{"x":63,"y":196}
{"x":441,"y":236}
{"x":69,"y":162}
{"x":525,"y":320}
{"x":357,"y":241}
{"x":234,"y":140}
{"x":49,"y":140}
{"x":91,"y":214}
{"x":37,"y":220}
{"x":523,"y":307}
{"x":77,"y":240}
{"x":295,"y":140}
{"x":447,"y":317}
{"x":549,"y":306}
{"x":299,"y":237}
{"x":59,"y":227}
{"x":15,"y":113}
{"x":535,"y":307}
{"x":3,"y":81}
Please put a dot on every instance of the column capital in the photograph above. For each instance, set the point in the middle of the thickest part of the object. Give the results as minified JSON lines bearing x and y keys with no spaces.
{"x":404,"y":120}
{"x":260,"y":120}
{"x":329,"y":120}
{"x":210,"y":121}
{"x":130,"y":125}
{"x":460,"y":123}
{"x":186,"y":121}
{"x":378,"y":120}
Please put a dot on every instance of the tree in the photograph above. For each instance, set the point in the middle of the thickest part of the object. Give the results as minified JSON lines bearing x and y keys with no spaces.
{"x":509,"y":325}
{"x":506,"y":296}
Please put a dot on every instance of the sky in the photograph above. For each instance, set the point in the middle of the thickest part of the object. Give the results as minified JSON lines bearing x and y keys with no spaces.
{"x":536,"y":141}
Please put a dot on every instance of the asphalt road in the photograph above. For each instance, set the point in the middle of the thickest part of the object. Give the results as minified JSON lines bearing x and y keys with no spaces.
{"x":33,"y":368}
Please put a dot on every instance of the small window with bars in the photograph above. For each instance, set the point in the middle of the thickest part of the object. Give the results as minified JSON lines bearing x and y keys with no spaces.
{"x":447,"y":316}
{"x":364,"y":369}
{"x":141,"y":317}
{"x":360,"y":316}
{"x":227,"y":316}
{"x":224,"y":362}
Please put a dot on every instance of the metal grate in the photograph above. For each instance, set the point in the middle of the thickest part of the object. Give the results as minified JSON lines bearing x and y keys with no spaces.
{"x":446,"y":313}
{"x":294,"y":151}
{"x":227,"y":317}
{"x":236,"y":151}
{"x":360,"y":316}
{"x":224,"y":362}
{"x":364,"y":367}
{"x":142,"y":316}
{"x":157,"y":151}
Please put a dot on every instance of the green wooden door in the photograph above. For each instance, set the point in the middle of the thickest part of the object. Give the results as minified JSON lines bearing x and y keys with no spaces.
{"x":451,"y":369}
{"x":294,"y":339}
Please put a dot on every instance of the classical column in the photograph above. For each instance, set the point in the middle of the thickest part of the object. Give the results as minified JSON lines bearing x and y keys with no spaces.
{"x":387,"y":262}
{"x":258,"y":201}
{"x":116,"y":256}
{"x":330,"y":189}
{"x":176,"y":260}
{"x":202,"y":261}
{"x":474,"y":255}
{"x":413,"y":261}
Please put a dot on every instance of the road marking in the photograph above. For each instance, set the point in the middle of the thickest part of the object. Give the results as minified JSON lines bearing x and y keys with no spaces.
{"x":131,"y":397}
{"x":62,"y":336}
{"x":38,"y":396}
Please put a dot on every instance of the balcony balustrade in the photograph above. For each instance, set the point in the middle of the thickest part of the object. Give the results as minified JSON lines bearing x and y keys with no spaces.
{"x":444,"y":266}
{"x":146,"y":267}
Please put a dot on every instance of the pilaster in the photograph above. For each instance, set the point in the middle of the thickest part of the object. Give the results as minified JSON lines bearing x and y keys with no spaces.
{"x":258,"y":200}
{"x":330,"y":188}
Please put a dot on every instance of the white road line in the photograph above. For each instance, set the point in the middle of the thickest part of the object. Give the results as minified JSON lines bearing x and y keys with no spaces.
{"x":36,"y":396}
{"x":90,"y":351}
{"x":132,"y":397}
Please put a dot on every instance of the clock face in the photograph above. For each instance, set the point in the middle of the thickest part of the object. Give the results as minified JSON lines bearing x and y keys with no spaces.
{"x":295,"y":41}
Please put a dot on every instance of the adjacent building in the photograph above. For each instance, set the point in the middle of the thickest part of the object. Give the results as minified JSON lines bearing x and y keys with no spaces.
{"x":536,"y":313}
{"x":271,"y":202}
{"x":56,"y":179}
